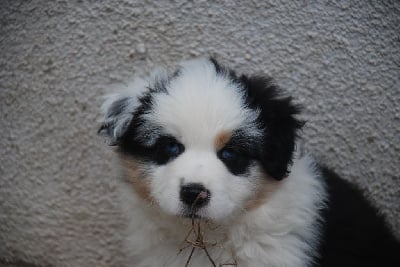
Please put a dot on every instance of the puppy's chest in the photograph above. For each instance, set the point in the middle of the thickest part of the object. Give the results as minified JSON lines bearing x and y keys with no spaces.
{"x":172,"y":245}
{"x":185,"y":245}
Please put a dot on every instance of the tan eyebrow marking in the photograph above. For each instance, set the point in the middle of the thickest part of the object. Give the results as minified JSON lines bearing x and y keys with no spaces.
{"x":222,"y":139}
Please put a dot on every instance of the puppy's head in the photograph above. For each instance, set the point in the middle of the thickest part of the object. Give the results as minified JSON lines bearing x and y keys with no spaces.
{"x":202,"y":141}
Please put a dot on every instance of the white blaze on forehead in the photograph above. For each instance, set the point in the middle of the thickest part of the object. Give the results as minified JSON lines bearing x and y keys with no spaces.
{"x":200,"y":104}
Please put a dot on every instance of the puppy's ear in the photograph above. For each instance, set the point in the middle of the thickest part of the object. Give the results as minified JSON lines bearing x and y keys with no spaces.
{"x":119,"y":109}
{"x":277,"y":118}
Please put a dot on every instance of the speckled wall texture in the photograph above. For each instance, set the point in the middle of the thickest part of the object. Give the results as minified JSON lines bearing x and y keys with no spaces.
{"x":58,"y":207}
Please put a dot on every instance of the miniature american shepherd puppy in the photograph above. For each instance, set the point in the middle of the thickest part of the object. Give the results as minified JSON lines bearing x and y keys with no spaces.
{"x":211,"y":176}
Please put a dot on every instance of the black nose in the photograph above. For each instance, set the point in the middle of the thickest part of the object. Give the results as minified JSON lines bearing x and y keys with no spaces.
{"x":194,"y":195}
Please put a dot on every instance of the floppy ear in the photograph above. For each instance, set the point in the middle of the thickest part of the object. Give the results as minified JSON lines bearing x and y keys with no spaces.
{"x":119,"y":109}
{"x":277,"y":118}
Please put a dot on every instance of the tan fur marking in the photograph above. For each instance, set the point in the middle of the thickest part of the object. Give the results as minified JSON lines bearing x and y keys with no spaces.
{"x":266,"y":187}
{"x":221,"y":139}
{"x":136,"y":177}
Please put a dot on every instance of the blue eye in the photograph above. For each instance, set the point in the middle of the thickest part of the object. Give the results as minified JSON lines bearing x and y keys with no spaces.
{"x":166,"y":148}
{"x":173,"y":149}
{"x":227,"y":154}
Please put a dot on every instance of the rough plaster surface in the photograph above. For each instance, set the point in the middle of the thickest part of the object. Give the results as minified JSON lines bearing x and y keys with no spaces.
{"x":58,"y":205}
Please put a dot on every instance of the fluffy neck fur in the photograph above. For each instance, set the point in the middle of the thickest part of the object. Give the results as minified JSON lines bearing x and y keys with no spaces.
{"x":281,"y":232}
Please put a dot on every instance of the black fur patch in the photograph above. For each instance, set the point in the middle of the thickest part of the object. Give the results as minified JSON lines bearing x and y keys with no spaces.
{"x":114,"y":112}
{"x":354,"y":233}
{"x":129,"y":142}
{"x":157,"y":153}
{"x":277,"y":119}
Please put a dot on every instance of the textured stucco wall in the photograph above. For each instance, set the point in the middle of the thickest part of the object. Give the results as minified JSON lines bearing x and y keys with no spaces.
{"x":57,"y":194}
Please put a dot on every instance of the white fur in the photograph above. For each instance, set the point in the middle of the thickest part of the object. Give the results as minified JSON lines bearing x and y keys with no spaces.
{"x":282,"y":232}
{"x":203,"y":104}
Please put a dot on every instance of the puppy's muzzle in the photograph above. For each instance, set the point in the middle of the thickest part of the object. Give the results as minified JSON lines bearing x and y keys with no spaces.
{"x":194,"y":195}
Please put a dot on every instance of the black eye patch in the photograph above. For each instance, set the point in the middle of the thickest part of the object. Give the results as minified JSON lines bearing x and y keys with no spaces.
{"x":165,"y":149}
{"x":237,"y":155}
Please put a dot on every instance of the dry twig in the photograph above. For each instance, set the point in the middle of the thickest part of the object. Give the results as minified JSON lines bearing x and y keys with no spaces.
{"x":199,"y":242}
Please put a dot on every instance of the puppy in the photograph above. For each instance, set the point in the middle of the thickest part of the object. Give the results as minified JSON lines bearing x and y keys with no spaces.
{"x":211,"y":177}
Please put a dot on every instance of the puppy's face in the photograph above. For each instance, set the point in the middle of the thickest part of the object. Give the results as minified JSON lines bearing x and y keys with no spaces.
{"x":202,"y":142}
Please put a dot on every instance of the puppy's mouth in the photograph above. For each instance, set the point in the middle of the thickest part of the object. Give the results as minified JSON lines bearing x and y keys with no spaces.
{"x":192,"y":216}
{"x":194,"y":213}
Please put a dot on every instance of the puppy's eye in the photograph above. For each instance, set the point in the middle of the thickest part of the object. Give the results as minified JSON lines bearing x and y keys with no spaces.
{"x":227,"y":154}
{"x":166,"y":149}
{"x":235,"y":159}
{"x":173,"y":149}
